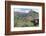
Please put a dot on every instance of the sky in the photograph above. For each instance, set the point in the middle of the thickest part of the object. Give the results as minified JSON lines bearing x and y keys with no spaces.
{"x":22,"y":10}
{"x":26,"y":9}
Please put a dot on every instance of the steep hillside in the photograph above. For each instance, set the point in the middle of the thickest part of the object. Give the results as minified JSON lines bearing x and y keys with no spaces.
{"x":24,"y":19}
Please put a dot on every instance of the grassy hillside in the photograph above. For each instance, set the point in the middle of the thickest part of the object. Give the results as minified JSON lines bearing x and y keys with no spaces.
{"x":24,"y":19}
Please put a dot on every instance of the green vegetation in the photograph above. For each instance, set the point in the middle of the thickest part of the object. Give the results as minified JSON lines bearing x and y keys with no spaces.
{"x":24,"y":19}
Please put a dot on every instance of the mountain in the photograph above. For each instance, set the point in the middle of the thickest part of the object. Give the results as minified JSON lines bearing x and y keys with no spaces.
{"x":22,"y":19}
{"x":31,"y":13}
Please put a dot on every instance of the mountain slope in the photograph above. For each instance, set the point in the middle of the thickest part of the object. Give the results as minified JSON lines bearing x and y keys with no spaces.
{"x":24,"y":19}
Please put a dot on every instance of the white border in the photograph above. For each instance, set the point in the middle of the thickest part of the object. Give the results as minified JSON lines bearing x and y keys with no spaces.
{"x":25,"y":28}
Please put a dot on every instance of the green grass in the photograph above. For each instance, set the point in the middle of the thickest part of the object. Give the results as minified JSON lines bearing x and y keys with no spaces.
{"x":22,"y":23}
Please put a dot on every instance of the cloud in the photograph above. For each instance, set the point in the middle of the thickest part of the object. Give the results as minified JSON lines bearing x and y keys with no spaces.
{"x":25,"y":10}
